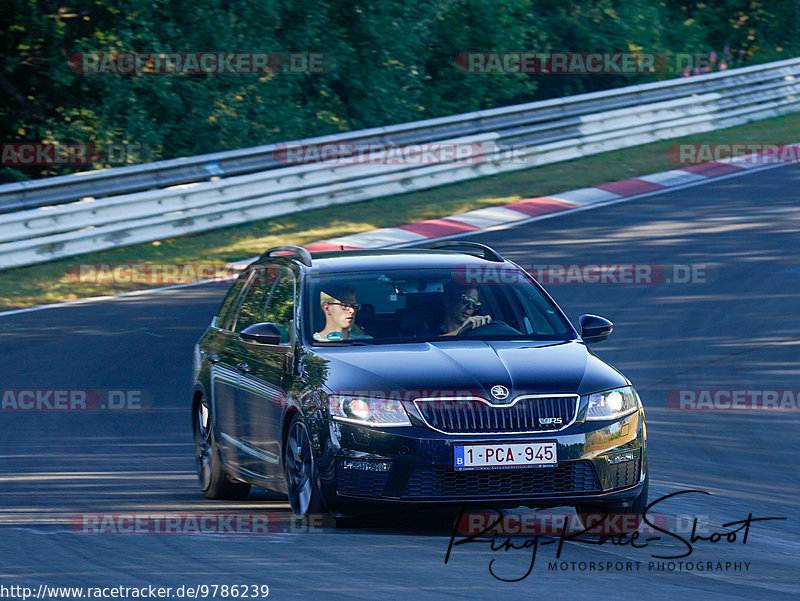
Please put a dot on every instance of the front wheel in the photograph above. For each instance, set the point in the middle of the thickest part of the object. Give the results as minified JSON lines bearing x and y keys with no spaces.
{"x":300,"y":470}
{"x":214,"y":482}
{"x":615,"y":518}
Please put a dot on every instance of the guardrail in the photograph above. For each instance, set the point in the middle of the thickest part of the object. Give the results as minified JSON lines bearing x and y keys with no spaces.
{"x":142,"y":203}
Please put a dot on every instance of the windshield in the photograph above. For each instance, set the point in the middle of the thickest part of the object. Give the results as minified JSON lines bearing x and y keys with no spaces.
{"x":393,"y":306}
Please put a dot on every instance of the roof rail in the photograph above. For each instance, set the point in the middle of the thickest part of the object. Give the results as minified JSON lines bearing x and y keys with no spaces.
{"x":305,"y":256}
{"x":489,"y":253}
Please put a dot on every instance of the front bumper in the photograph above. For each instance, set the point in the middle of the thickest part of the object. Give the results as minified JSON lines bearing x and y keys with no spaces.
{"x":363,"y":466}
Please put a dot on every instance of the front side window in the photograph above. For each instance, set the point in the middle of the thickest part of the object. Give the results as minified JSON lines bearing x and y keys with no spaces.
{"x":280,"y":305}
{"x":393,"y":306}
{"x":259,"y":286}
{"x":227,"y":310}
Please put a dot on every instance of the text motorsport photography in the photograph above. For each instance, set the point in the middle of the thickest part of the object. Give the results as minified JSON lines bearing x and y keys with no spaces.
{"x":665,"y":541}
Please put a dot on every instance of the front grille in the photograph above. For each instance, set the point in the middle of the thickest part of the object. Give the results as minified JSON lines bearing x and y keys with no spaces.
{"x":444,"y":481}
{"x":624,"y":474}
{"x":474,"y":416}
{"x":360,"y":483}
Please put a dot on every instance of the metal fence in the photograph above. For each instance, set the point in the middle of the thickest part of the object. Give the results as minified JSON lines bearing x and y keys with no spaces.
{"x":68,"y":215}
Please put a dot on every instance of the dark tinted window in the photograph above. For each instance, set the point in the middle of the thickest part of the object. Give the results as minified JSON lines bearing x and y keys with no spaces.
{"x":280,"y":305}
{"x":416,"y":305}
{"x":228,"y":308}
{"x":259,"y":287}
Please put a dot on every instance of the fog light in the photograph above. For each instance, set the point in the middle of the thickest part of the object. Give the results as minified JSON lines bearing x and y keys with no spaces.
{"x":368,"y":466}
{"x":620,"y":457}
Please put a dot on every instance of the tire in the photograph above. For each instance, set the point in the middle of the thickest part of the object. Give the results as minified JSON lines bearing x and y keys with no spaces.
{"x":632,"y":514}
{"x":300,"y":471}
{"x":214,"y":482}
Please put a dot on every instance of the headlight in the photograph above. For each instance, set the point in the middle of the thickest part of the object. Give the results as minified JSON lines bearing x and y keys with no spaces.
{"x":368,"y":412}
{"x":612,"y":404}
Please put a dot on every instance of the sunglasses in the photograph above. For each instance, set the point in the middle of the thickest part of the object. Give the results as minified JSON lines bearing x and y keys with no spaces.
{"x":468,"y":300}
{"x":353,"y":306}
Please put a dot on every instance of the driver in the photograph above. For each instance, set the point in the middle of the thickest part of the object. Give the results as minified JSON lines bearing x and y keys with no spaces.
{"x":339,"y":306}
{"x":460,"y":304}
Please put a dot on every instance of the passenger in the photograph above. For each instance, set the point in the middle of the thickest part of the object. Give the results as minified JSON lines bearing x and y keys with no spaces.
{"x":339,"y":305}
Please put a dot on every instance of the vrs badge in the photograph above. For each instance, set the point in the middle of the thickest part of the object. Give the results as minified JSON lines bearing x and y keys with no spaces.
{"x":499,"y":392}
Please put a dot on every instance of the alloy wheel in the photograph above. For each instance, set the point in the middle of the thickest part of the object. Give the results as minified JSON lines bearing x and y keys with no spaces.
{"x":299,"y":469}
{"x":203,"y":447}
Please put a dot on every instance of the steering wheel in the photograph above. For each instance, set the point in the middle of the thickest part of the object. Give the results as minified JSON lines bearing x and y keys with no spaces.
{"x":499,"y":328}
{"x":469,"y":327}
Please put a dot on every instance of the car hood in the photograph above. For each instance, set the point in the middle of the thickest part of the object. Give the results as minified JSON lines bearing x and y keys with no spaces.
{"x":446,"y":368}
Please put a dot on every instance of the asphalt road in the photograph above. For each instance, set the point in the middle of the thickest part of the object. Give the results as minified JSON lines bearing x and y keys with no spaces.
{"x":734,"y":326}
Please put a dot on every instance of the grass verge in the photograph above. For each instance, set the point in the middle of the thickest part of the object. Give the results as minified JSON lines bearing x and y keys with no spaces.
{"x":48,"y":282}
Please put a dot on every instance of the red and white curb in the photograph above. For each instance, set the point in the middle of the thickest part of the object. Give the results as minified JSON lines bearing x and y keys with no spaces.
{"x":528,"y":209}
{"x":539,"y":207}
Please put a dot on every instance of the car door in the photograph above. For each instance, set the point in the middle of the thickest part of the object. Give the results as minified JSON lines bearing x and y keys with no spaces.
{"x":233,"y":420}
{"x":262,"y":384}
{"x":223,"y":353}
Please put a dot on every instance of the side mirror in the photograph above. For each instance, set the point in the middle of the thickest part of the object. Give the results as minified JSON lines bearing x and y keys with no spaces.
{"x":262,"y":333}
{"x":594,"y":328}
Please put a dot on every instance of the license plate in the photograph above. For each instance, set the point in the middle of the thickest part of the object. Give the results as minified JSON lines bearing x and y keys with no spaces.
{"x":493,"y":456}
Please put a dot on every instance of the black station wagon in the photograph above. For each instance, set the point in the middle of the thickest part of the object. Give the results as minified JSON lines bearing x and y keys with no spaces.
{"x":355,"y":380}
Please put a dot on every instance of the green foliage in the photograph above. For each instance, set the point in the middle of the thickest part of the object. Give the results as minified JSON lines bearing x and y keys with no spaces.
{"x":391,"y":62}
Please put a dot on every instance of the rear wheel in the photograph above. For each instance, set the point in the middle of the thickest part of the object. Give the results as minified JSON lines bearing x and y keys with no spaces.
{"x":214,"y":482}
{"x":300,"y":470}
{"x":615,"y":518}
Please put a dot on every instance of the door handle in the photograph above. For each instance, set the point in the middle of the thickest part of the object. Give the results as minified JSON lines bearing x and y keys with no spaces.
{"x":243,"y":367}
{"x":212,"y":358}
